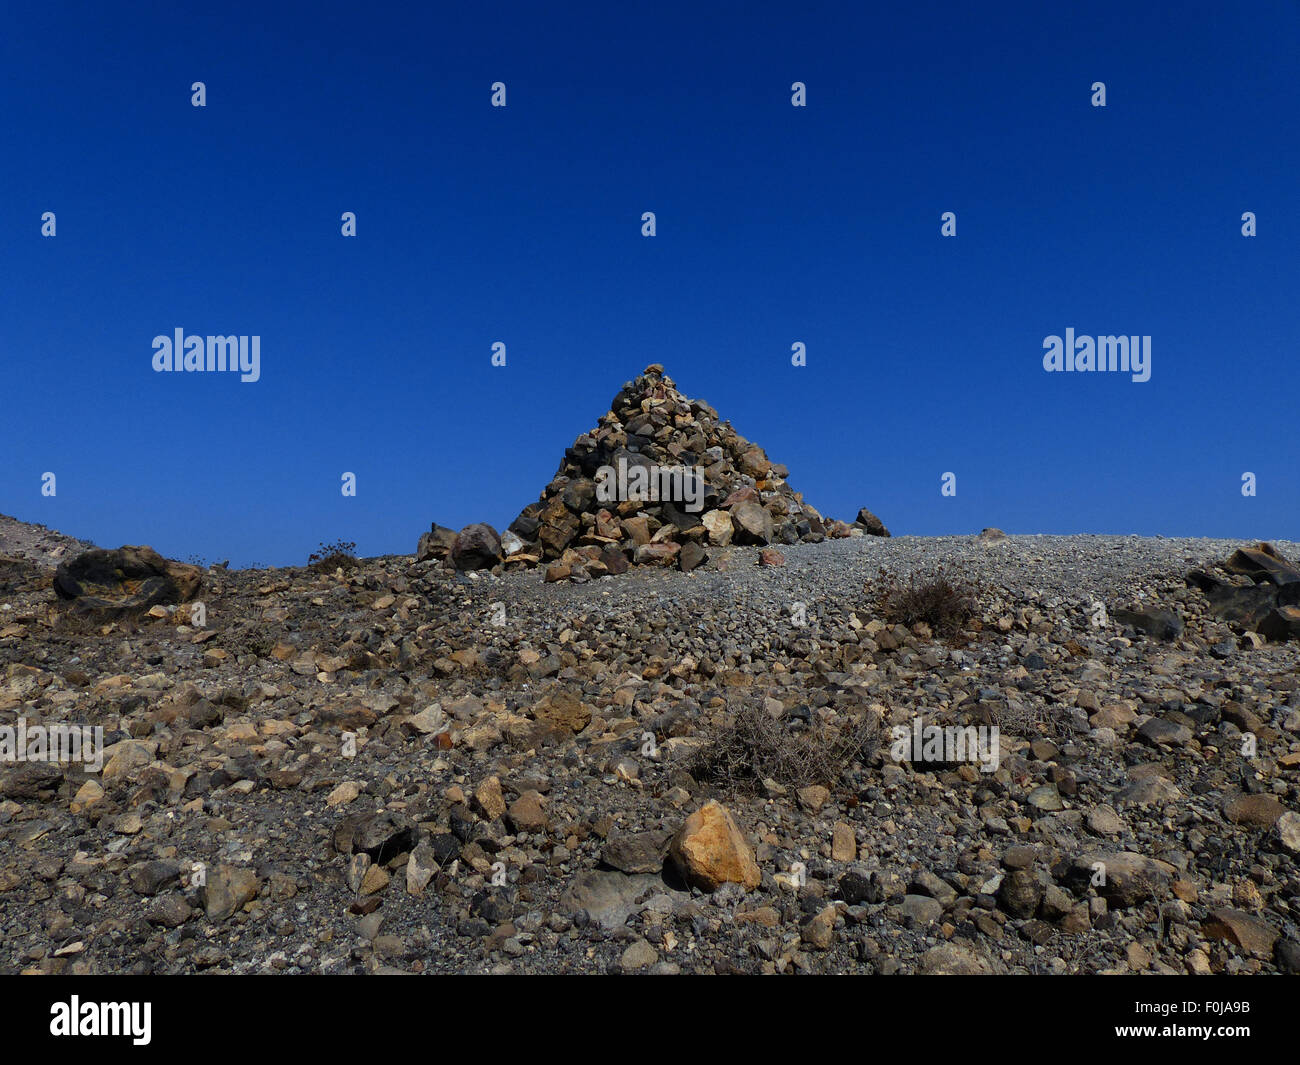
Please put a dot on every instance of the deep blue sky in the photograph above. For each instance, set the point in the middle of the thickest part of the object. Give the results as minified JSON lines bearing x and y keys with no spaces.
{"x":522,"y":225}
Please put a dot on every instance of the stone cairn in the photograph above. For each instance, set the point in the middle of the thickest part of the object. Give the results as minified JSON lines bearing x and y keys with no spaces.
{"x":745,"y":497}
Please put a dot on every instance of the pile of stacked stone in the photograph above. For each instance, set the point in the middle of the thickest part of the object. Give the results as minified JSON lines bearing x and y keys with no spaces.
{"x":589,"y":522}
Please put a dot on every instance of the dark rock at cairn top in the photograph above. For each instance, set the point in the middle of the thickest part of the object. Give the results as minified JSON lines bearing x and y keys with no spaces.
{"x":726,"y":490}
{"x":871,"y":525}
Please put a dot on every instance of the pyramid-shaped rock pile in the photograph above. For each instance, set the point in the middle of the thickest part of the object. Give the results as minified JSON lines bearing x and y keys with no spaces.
{"x":700,"y":485}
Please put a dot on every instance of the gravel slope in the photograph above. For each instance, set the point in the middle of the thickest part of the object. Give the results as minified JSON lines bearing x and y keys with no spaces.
{"x":502,"y":811}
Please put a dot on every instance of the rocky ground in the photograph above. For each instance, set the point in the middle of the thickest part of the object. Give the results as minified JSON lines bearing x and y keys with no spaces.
{"x":35,"y":543}
{"x":396,"y":767}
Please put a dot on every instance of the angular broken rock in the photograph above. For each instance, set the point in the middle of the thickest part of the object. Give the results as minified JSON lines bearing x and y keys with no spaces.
{"x":1288,"y":831}
{"x":1161,"y":733}
{"x":637,"y":852}
{"x":127,"y":581}
{"x":435,"y":544}
{"x":1123,"y":878}
{"x":1270,"y":606}
{"x":753,"y":524}
{"x":228,"y":889}
{"x":1281,"y":623}
{"x":476,"y":547}
{"x":382,"y":835}
{"x":421,"y":867}
{"x":1263,"y":562}
{"x":528,"y":813}
{"x":608,"y":898}
{"x":709,"y":850}
{"x":718,"y":524}
{"x":1241,"y":929}
{"x":149,"y":878}
{"x":563,"y":709}
{"x":663,"y":554}
{"x":1161,"y":624}
{"x":870,"y":524}
{"x":819,"y":930}
{"x":692,"y":556}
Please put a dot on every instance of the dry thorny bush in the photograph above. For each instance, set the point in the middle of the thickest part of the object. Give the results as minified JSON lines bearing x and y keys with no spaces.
{"x":946,"y":606}
{"x":341,"y":554}
{"x":752,"y":746}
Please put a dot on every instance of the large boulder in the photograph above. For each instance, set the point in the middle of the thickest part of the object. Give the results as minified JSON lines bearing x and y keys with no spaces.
{"x":128,"y":580}
{"x":1123,"y":878}
{"x":476,"y":547}
{"x":719,"y":526}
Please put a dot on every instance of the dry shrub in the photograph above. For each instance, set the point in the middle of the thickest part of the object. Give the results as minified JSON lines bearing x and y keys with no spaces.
{"x":342,"y":554}
{"x":752,"y":746}
{"x":946,"y":606}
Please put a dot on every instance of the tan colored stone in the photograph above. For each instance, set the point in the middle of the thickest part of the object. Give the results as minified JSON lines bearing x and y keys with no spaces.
{"x":819,"y":931}
{"x":87,"y":795}
{"x":844,"y":844}
{"x":718,"y":524}
{"x":375,"y":880}
{"x":813,"y":797}
{"x":343,"y":794}
{"x":710,"y":850}
{"x":528,"y":813}
{"x":489,"y":800}
{"x":1257,"y":811}
{"x":563,"y":709}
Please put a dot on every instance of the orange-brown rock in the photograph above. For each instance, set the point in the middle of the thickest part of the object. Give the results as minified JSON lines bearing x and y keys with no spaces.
{"x":710,"y":850}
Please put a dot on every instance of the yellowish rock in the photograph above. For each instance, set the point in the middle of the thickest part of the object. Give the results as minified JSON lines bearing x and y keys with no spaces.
{"x":710,"y":850}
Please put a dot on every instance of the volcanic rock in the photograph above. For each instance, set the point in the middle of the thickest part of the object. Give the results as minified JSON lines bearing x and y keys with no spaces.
{"x":753,"y":524}
{"x":870,"y":524}
{"x":1260,"y":592}
{"x":1241,"y":929}
{"x":1162,"y":624}
{"x":129,"y":580}
{"x":476,"y":547}
{"x":435,"y":544}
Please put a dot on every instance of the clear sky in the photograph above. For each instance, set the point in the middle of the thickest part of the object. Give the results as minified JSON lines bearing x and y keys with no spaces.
{"x":522,"y":225}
